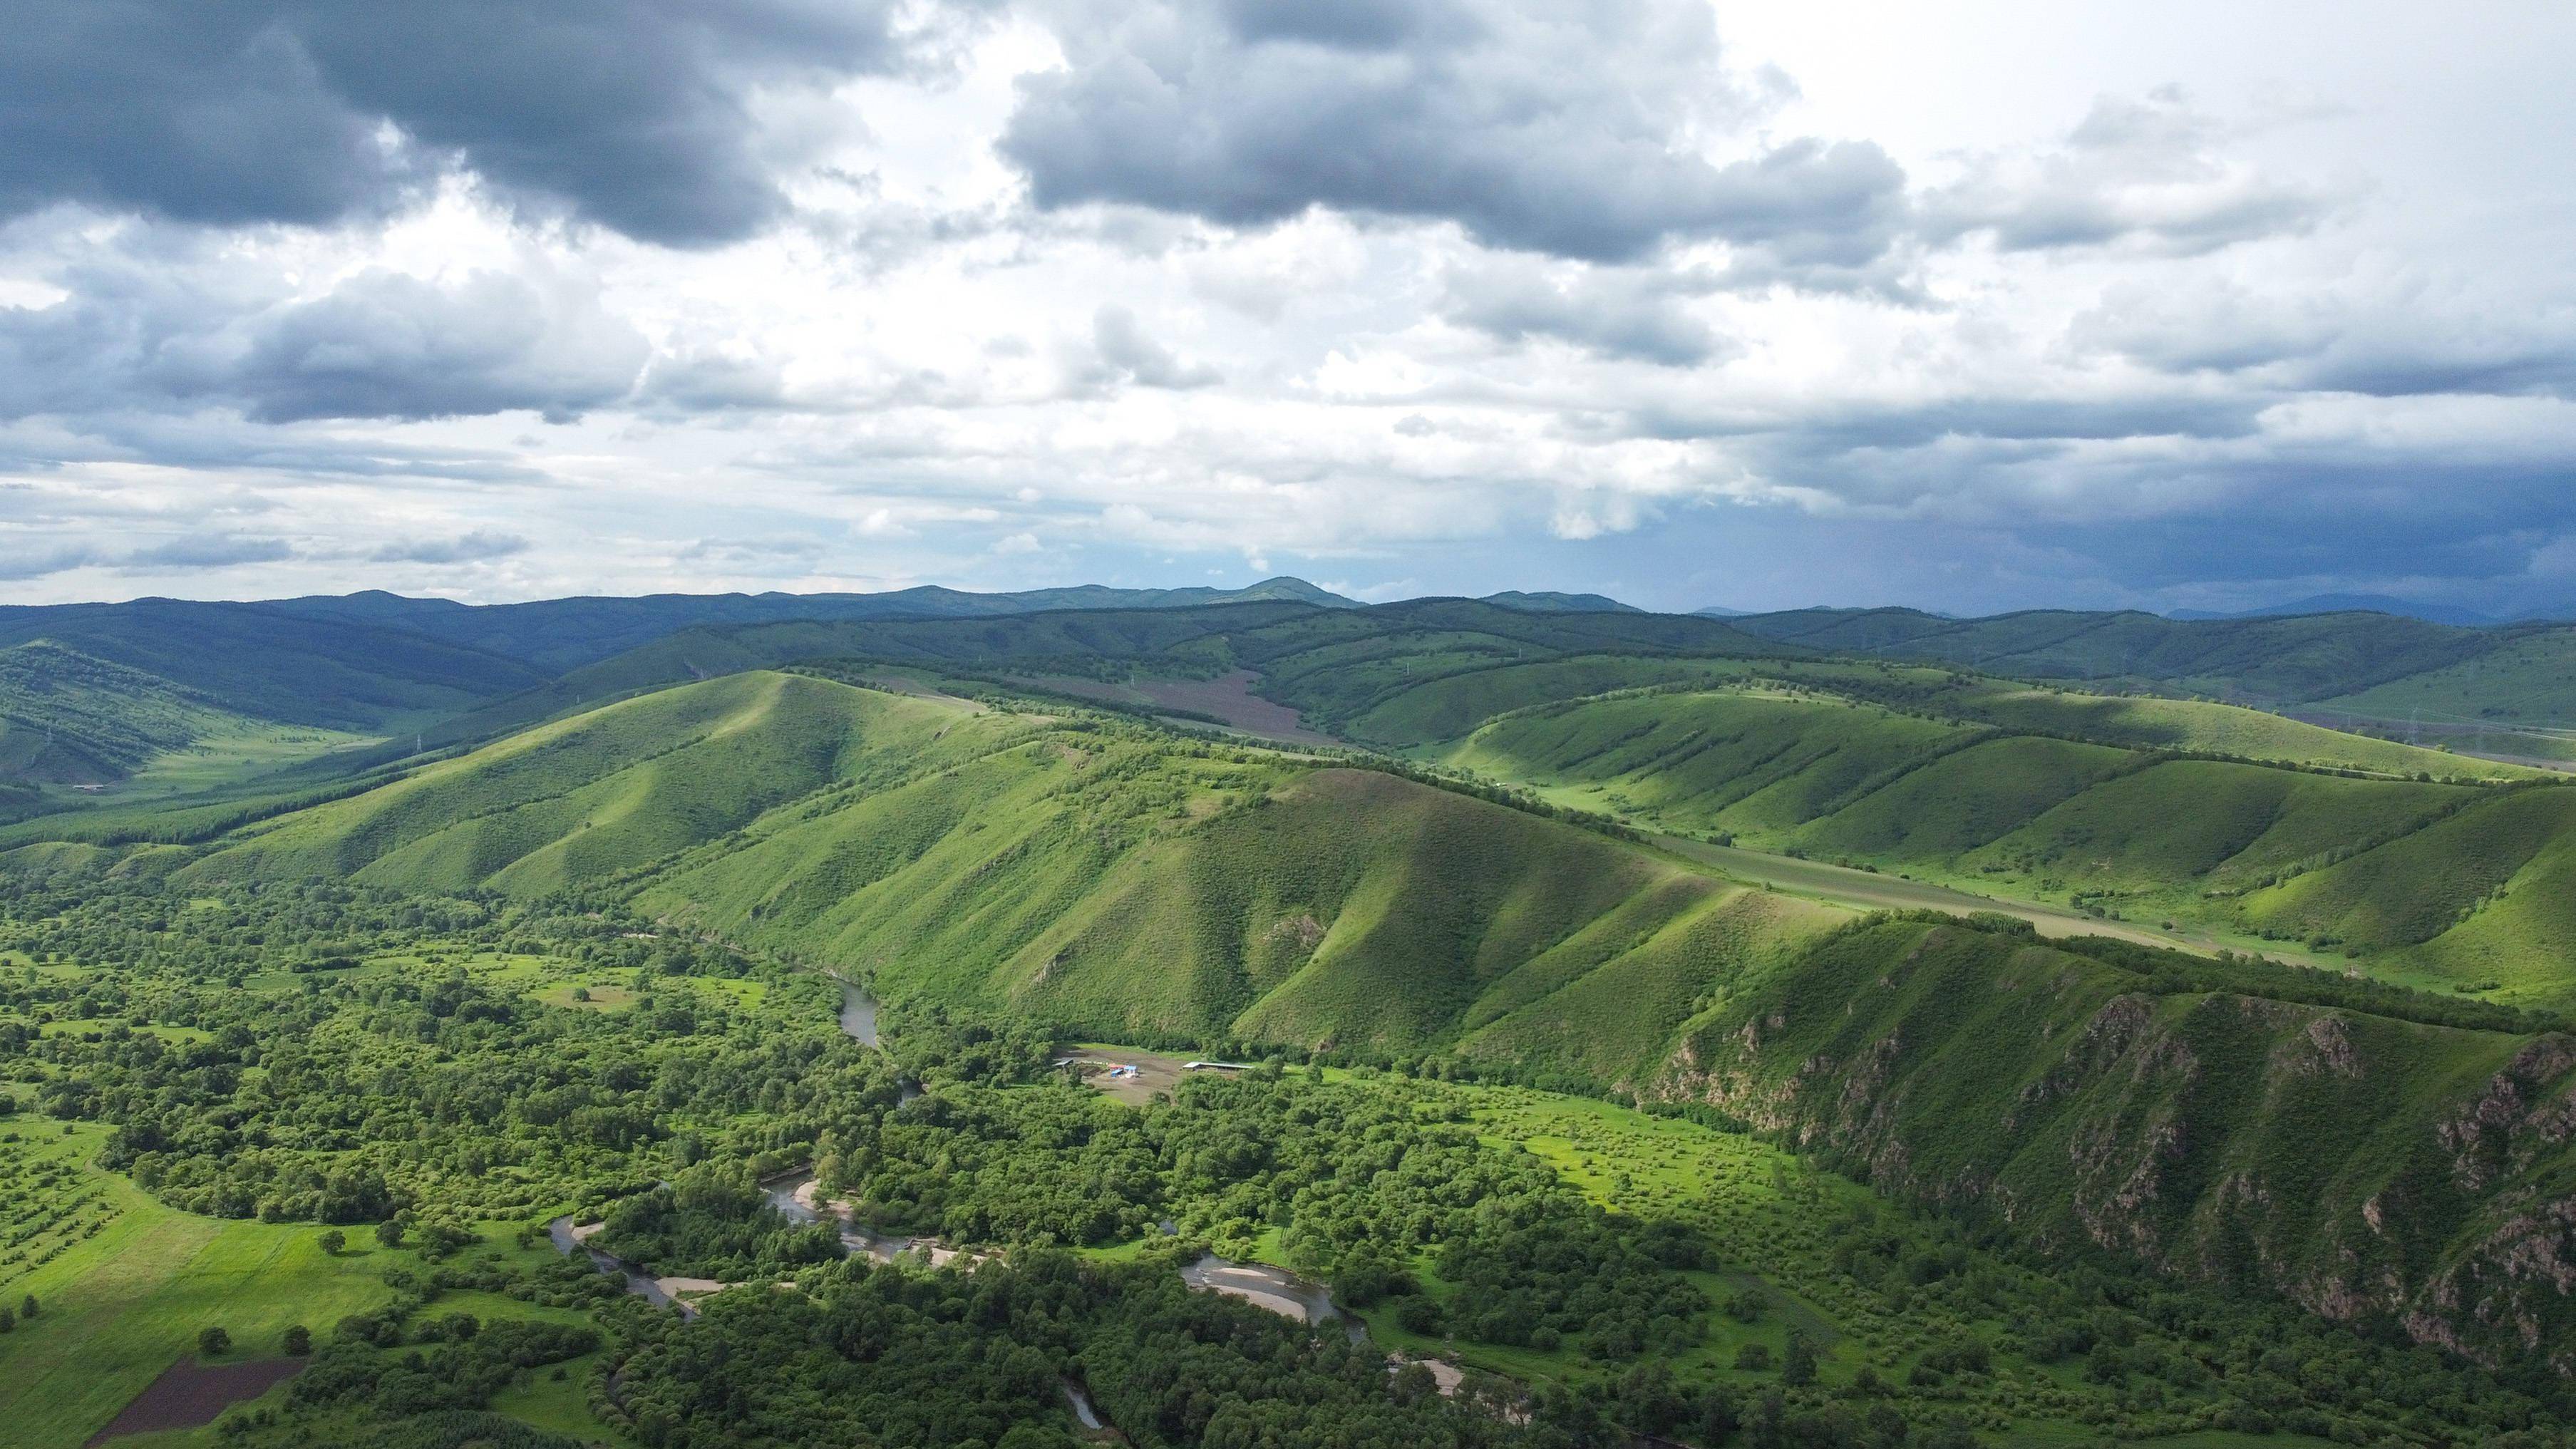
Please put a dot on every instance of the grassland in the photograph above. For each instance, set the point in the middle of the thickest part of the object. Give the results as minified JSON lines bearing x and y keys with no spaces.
{"x":2457,"y":883}
{"x":611,"y":790}
{"x":2266,"y":660}
{"x":1092,"y":876}
{"x":122,"y":1304}
{"x":127,"y":1303}
{"x":1135,"y":887}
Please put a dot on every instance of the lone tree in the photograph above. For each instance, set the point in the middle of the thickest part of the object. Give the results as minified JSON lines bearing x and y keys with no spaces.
{"x":389,"y":1233}
{"x":1798,"y":1365}
{"x":333,"y":1241}
{"x":298,"y":1341}
{"x":28,"y":1308}
{"x":212,"y":1341}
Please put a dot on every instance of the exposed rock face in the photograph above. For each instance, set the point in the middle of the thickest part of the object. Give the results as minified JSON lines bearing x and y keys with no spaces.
{"x":2216,"y":1136}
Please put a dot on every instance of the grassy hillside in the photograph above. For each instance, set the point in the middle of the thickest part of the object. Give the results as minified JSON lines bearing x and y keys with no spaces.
{"x":2268,"y":660}
{"x":2093,"y":1104}
{"x":83,"y":734}
{"x":2455,"y":885}
{"x":1118,"y":881}
{"x":1329,"y":663}
{"x":563,"y":634}
{"x":606,"y":792}
{"x":2528,"y":681}
{"x":1089,"y":874}
{"x":272,"y":665}
{"x":1130,"y":890}
{"x":66,"y":718}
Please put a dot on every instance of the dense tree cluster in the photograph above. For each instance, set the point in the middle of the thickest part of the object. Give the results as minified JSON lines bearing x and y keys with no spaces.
{"x":407,"y":1082}
{"x":880,"y":1356}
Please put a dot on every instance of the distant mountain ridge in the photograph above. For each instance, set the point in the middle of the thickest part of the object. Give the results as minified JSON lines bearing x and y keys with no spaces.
{"x":2350,"y":604}
{"x":560,"y":634}
{"x":1548,"y":601}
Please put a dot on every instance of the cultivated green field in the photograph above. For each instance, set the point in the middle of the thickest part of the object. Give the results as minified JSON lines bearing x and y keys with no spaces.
{"x":122,"y":1304}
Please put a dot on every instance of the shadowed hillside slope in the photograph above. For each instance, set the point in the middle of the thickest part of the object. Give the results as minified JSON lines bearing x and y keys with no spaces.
{"x":2375,"y":1169}
{"x":273,"y":665}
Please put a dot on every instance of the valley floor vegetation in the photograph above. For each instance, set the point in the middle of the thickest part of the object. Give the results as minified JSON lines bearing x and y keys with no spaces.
{"x":331,"y":1123}
{"x":1776,"y":1032}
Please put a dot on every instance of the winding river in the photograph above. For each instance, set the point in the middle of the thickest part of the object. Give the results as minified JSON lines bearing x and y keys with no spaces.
{"x":643,"y":1285}
{"x":859,"y":1019}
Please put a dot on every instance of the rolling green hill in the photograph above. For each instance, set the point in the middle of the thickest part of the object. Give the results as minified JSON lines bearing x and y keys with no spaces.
{"x":1329,"y":663}
{"x":272,"y":665}
{"x":610,"y":791}
{"x":2528,"y":681}
{"x":79,"y":733}
{"x":563,"y":634}
{"x":69,"y":719}
{"x":2303,"y":657}
{"x":2087,"y":1103}
{"x":2458,"y":885}
{"x":1116,"y":880}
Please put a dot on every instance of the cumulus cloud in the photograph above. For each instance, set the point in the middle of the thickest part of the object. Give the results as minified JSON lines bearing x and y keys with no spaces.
{"x":1534,"y":127}
{"x":712,"y":379}
{"x":1122,"y":351}
{"x":147,"y":330}
{"x":2150,"y":172}
{"x":2383,"y":336}
{"x":1451,"y":293}
{"x":476,"y":546}
{"x":1614,"y":312}
{"x":388,"y":345}
{"x":635,"y":114}
{"x":208,"y":551}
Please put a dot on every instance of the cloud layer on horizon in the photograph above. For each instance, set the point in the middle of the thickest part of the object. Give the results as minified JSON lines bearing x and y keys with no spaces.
{"x":625,"y":295}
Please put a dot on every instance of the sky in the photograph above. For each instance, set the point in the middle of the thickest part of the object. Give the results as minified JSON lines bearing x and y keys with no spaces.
{"x":1971,"y":307}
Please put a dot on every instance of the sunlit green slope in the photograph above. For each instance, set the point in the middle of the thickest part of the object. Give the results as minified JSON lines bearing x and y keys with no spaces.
{"x":610,"y":791}
{"x":1128,"y":888}
{"x":2371,"y":1151}
{"x":2460,"y":885}
{"x":1085,"y":873}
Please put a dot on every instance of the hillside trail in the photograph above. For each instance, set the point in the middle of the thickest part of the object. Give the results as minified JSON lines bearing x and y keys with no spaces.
{"x":1841,"y":885}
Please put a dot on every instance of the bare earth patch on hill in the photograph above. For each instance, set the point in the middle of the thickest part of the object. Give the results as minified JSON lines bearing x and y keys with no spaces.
{"x":189,"y":1394}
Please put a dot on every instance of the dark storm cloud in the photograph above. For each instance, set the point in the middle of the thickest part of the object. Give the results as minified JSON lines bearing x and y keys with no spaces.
{"x":2402,"y":340}
{"x":164,"y":332}
{"x":386,"y":345}
{"x":630,"y":113}
{"x":1532,"y":128}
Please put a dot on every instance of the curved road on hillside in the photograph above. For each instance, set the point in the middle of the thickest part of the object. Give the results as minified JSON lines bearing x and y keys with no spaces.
{"x":1869,"y":891}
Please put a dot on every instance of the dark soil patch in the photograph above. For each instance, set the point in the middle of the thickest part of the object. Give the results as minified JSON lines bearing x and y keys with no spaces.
{"x":189,"y":1394}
